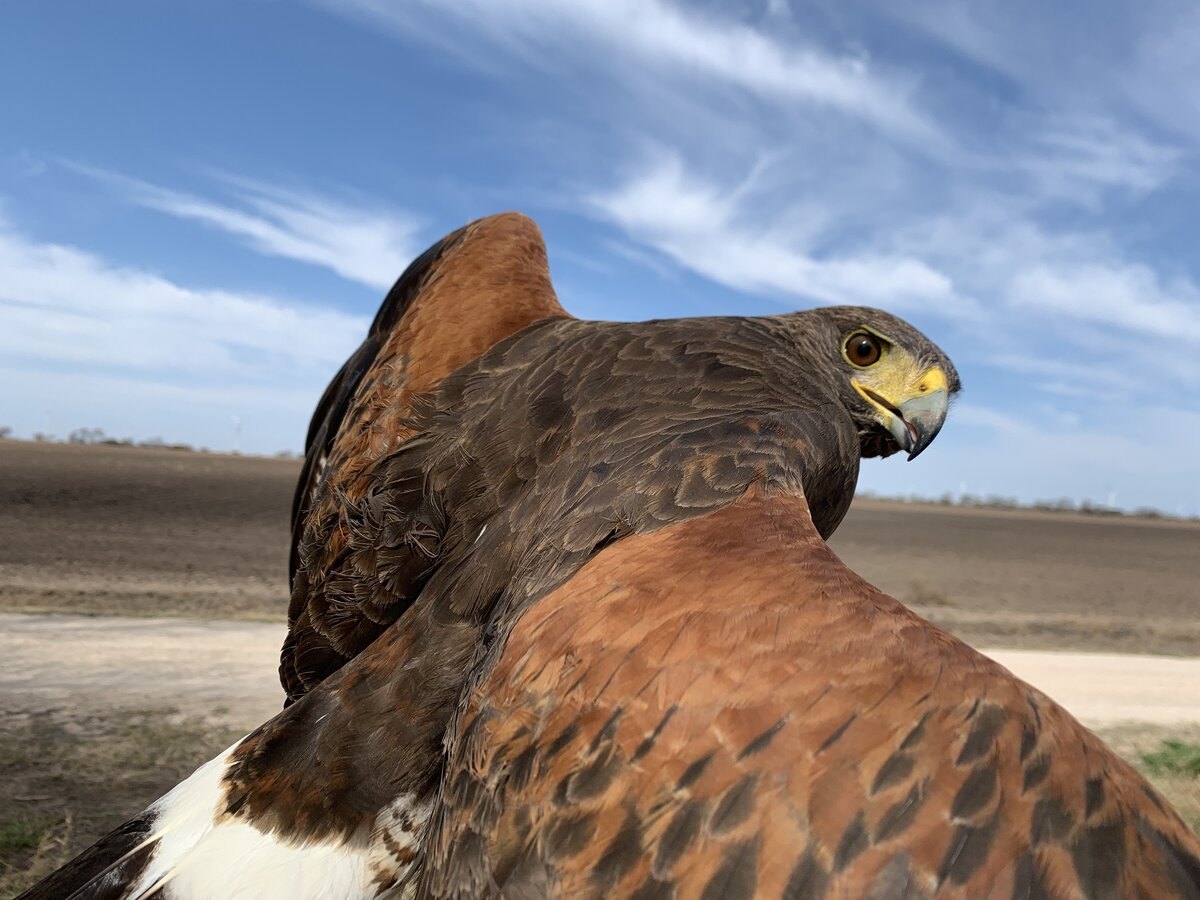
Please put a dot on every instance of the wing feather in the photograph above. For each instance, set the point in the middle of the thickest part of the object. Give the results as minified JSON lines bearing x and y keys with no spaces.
{"x":721,"y":708}
{"x":350,"y":575}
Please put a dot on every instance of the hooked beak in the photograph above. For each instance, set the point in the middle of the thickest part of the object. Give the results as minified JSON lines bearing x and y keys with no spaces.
{"x":917,"y":422}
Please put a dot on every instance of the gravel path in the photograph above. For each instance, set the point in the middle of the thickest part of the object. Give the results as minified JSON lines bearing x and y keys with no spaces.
{"x":220,"y":668}
{"x":227,"y":669}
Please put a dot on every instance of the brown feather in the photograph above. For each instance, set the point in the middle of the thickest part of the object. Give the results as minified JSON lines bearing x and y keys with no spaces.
{"x":742,"y":713}
{"x":472,"y":289}
{"x":562,"y":440}
{"x":475,"y":394}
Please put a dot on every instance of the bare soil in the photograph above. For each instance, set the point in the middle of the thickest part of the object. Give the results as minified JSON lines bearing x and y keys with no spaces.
{"x":1016,"y":578}
{"x":132,"y":531}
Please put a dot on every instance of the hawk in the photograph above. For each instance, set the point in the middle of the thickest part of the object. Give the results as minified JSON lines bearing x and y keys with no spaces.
{"x":564,"y":624}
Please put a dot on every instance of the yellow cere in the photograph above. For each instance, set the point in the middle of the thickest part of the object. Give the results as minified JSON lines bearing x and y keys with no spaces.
{"x":933,"y":380}
{"x":896,"y":378}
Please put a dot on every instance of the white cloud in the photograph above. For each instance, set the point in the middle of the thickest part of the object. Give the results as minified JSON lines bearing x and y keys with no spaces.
{"x":1072,"y":307}
{"x":1007,"y":185}
{"x":1058,"y":369}
{"x":1065,"y":377}
{"x":1074,"y":157}
{"x":1129,"y":297}
{"x":24,"y":164}
{"x":668,"y":38}
{"x":715,"y":232}
{"x":1087,"y":104}
{"x":370,"y":246}
{"x":778,"y":9}
{"x":66,"y":310}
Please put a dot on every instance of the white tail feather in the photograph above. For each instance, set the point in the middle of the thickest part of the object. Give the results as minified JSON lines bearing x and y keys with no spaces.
{"x":202,"y":854}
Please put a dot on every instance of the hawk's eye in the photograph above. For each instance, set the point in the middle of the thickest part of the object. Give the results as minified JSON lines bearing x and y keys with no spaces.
{"x":863,"y":349}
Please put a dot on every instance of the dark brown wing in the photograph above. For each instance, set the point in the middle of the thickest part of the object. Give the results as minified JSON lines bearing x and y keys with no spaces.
{"x":470,"y":290}
{"x":722,"y":709}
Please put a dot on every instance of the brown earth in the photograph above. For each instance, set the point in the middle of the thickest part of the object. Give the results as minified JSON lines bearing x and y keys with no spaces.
{"x":98,"y":529}
{"x":164,"y":532}
{"x":1018,"y":578}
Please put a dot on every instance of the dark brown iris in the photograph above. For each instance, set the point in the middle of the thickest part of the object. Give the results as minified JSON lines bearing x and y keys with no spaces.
{"x":863,"y":349}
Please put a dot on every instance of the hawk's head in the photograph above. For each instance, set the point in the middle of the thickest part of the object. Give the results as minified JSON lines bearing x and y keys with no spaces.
{"x":895,"y":382}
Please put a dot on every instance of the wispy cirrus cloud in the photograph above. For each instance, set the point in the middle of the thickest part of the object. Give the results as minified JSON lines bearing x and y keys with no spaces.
{"x":1162,"y":79}
{"x":1071,"y":306}
{"x":710,"y":229}
{"x":365,"y":244}
{"x":1017,"y":180}
{"x":65,"y":306}
{"x":1079,"y":157}
{"x":1013,"y":287}
{"x":93,"y":343}
{"x":674,"y":40}
{"x":1130,"y":297}
{"x":1135,"y":64}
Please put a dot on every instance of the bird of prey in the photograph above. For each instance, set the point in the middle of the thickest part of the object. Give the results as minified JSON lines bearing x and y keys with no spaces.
{"x":564,"y":624}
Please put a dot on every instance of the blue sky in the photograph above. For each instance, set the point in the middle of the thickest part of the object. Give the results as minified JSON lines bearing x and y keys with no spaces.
{"x":202,"y":203}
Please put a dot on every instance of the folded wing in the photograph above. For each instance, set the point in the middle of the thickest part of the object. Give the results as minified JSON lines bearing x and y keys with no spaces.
{"x":722,"y":709}
{"x":365,"y":540}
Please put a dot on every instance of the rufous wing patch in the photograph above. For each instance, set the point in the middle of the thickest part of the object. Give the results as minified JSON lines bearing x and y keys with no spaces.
{"x":472,"y":290}
{"x":721,"y":708}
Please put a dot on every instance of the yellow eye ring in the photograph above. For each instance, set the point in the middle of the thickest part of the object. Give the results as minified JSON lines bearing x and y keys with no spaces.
{"x":863,"y":349}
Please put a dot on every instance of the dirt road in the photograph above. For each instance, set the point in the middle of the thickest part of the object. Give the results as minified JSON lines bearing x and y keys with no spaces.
{"x":220,"y":669}
{"x":226,"y":670}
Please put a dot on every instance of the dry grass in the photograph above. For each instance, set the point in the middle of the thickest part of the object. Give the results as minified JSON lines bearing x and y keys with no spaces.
{"x":68,"y":779}
{"x":49,"y":844}
{"x":922,"y":595}
{"x":1169,"y":757}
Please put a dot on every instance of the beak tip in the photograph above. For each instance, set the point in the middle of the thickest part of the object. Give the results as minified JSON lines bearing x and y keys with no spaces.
{"x":922,"y":438}
{"x":921,"y":421}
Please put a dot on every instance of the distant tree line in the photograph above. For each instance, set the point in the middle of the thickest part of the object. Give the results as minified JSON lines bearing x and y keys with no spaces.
{"x":97,"y":436}
{"x":1061,"y":505}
